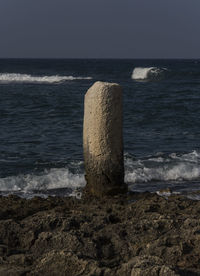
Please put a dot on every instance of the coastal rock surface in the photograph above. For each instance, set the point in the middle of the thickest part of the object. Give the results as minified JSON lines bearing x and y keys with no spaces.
{"x":136,"y":235}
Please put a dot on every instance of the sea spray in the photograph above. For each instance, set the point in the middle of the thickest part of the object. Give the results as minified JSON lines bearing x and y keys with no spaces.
{"x":145,"y":73}
{"x":25,"y":78}
{"x":148,"y":173}
{"x":163,"y":167}
{"x":43,"y":182}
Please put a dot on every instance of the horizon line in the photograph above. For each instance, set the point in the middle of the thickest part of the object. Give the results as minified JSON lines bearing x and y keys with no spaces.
{"x":102,"y":58}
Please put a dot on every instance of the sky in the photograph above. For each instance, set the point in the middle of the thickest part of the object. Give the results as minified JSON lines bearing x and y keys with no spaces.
{"x":99,"y":28}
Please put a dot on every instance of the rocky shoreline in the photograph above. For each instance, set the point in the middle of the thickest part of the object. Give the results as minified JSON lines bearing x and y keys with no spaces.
{"x":139,"y":234}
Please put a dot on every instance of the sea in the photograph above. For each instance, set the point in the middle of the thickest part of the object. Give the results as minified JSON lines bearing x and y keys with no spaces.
{"x":41,"y":124}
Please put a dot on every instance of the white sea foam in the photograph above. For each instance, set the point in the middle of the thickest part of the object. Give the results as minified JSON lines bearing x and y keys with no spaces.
{"x":193,"y":197}
{"x":166,"y":173}
{"x":173,"y":167}
{"x":25,"y":78}
{"x":140,"y":174}
{"x":144,"y":73}
{"x":48,"y":180}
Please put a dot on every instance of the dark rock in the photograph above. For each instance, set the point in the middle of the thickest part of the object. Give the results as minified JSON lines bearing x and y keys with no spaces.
{"x":138,"y":234}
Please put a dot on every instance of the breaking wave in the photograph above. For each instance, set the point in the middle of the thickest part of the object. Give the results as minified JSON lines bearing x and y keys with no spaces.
{"x":145,"y":73}
{"x":42,"y":183}
{"x":25,"y":78}
{"x":174,"y":168}
{"x":180,"y":172}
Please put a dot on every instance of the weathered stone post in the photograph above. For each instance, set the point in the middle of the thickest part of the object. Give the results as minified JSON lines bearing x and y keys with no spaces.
{"x":103,"y":139}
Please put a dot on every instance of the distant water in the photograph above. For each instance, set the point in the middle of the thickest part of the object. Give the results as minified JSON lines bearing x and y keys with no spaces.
{"x":41,"y":116}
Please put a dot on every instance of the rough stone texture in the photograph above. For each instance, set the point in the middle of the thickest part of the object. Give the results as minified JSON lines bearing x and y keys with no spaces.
{"x":103,"y":139}
{"x":126,"y":235}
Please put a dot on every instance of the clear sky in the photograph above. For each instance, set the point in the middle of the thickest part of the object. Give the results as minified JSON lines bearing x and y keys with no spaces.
{"x":100,"y":28}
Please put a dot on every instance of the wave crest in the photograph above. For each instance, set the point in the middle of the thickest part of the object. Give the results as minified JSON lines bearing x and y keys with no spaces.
{"x":178,"y":171}
{"x":145,"y":73}
{"x":48,"y":180}
{"x":25,"y":78}
{"x":163,"y":168}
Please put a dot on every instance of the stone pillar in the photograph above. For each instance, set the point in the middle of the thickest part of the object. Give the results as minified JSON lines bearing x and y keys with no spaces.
{"x":103,"y":140}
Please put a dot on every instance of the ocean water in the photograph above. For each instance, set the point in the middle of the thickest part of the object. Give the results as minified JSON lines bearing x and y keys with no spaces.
{"x":41,"y":117}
